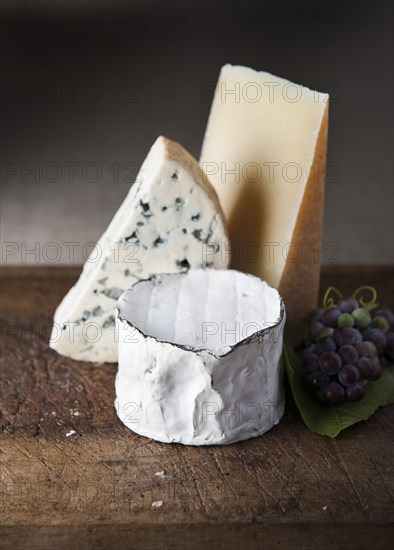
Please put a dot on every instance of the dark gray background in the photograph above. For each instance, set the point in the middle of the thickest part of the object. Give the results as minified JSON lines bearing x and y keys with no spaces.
{"x":96,"y":83}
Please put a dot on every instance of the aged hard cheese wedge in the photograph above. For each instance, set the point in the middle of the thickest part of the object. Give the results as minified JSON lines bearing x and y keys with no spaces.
{"x":265,"y":152}
{"x":210,"y":373}
{"x":170,"y":221}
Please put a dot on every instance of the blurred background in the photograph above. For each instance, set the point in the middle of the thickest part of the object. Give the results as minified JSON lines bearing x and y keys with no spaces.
{"x":88,"y":86}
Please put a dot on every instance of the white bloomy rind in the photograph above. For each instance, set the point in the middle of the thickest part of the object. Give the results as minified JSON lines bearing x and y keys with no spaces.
{"x":199,"y":357}
{"x":169,"y":221}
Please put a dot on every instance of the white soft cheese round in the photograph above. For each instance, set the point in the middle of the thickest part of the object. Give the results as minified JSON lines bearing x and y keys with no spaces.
{"x":199,"y":357}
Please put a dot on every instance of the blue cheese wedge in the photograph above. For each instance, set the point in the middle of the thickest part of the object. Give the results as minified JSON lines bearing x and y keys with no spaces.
{"x":169,"y":222}
{"x":211,"y":374}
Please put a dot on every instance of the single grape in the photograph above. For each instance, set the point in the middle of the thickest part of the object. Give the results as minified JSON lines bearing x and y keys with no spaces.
{"x":375,"y":371}
{"x":324,"y":332}
{"x":347,"y":336}
{"x":330,"y":362}
{"x":355,"y":392}
{"x":377,"y":337}
{"x":380,"y":323}
{"x":345,"y":320}
{"x":315,"y":316}
{"x":387,"y":314}
{"x":316,"y":380}
{"x":372,"y":351}
{"x":363,"y":365}
{"x":347,"y":305}
{"x":362,"y":317}
{"x":306,"y":373}
{"x":388,"y":351}
{"x":348,"y":354}
{"x":369,"y":369}
{"x":333,"y":393}
{"x":330,"y":316}
{"x":348,"y":375}
{"x":361,"y":348}
{"x":315,"y":329}
{"x":325,"y":344}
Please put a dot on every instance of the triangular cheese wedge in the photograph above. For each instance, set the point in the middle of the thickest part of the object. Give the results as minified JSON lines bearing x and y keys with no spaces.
{"x":169,"y":222}
{"x":265,"y":153}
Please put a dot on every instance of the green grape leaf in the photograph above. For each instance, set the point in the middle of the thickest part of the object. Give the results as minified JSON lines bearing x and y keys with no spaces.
{"x":327,"y":419}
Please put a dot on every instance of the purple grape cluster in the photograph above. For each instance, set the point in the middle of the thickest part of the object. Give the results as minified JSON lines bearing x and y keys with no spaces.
{"x":344,"y":349}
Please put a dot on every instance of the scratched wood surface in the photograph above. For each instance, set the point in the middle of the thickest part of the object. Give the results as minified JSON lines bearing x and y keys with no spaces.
{"x":290,"y":488}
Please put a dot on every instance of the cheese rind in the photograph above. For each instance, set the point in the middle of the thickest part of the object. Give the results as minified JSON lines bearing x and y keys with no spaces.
{"x":168,"y":222}
{"x":211,"y":374}
{"x":265,"y":152}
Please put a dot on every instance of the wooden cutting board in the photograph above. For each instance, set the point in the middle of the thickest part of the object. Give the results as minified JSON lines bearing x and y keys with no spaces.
{"x":73,"y":476}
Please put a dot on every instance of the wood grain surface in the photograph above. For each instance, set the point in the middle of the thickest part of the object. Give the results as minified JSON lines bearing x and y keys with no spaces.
{"x":73,"y":476}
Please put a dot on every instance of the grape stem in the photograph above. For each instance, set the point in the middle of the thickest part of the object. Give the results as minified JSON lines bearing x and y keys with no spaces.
{"x":362,"y":301}
{"x":328,"y":301}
